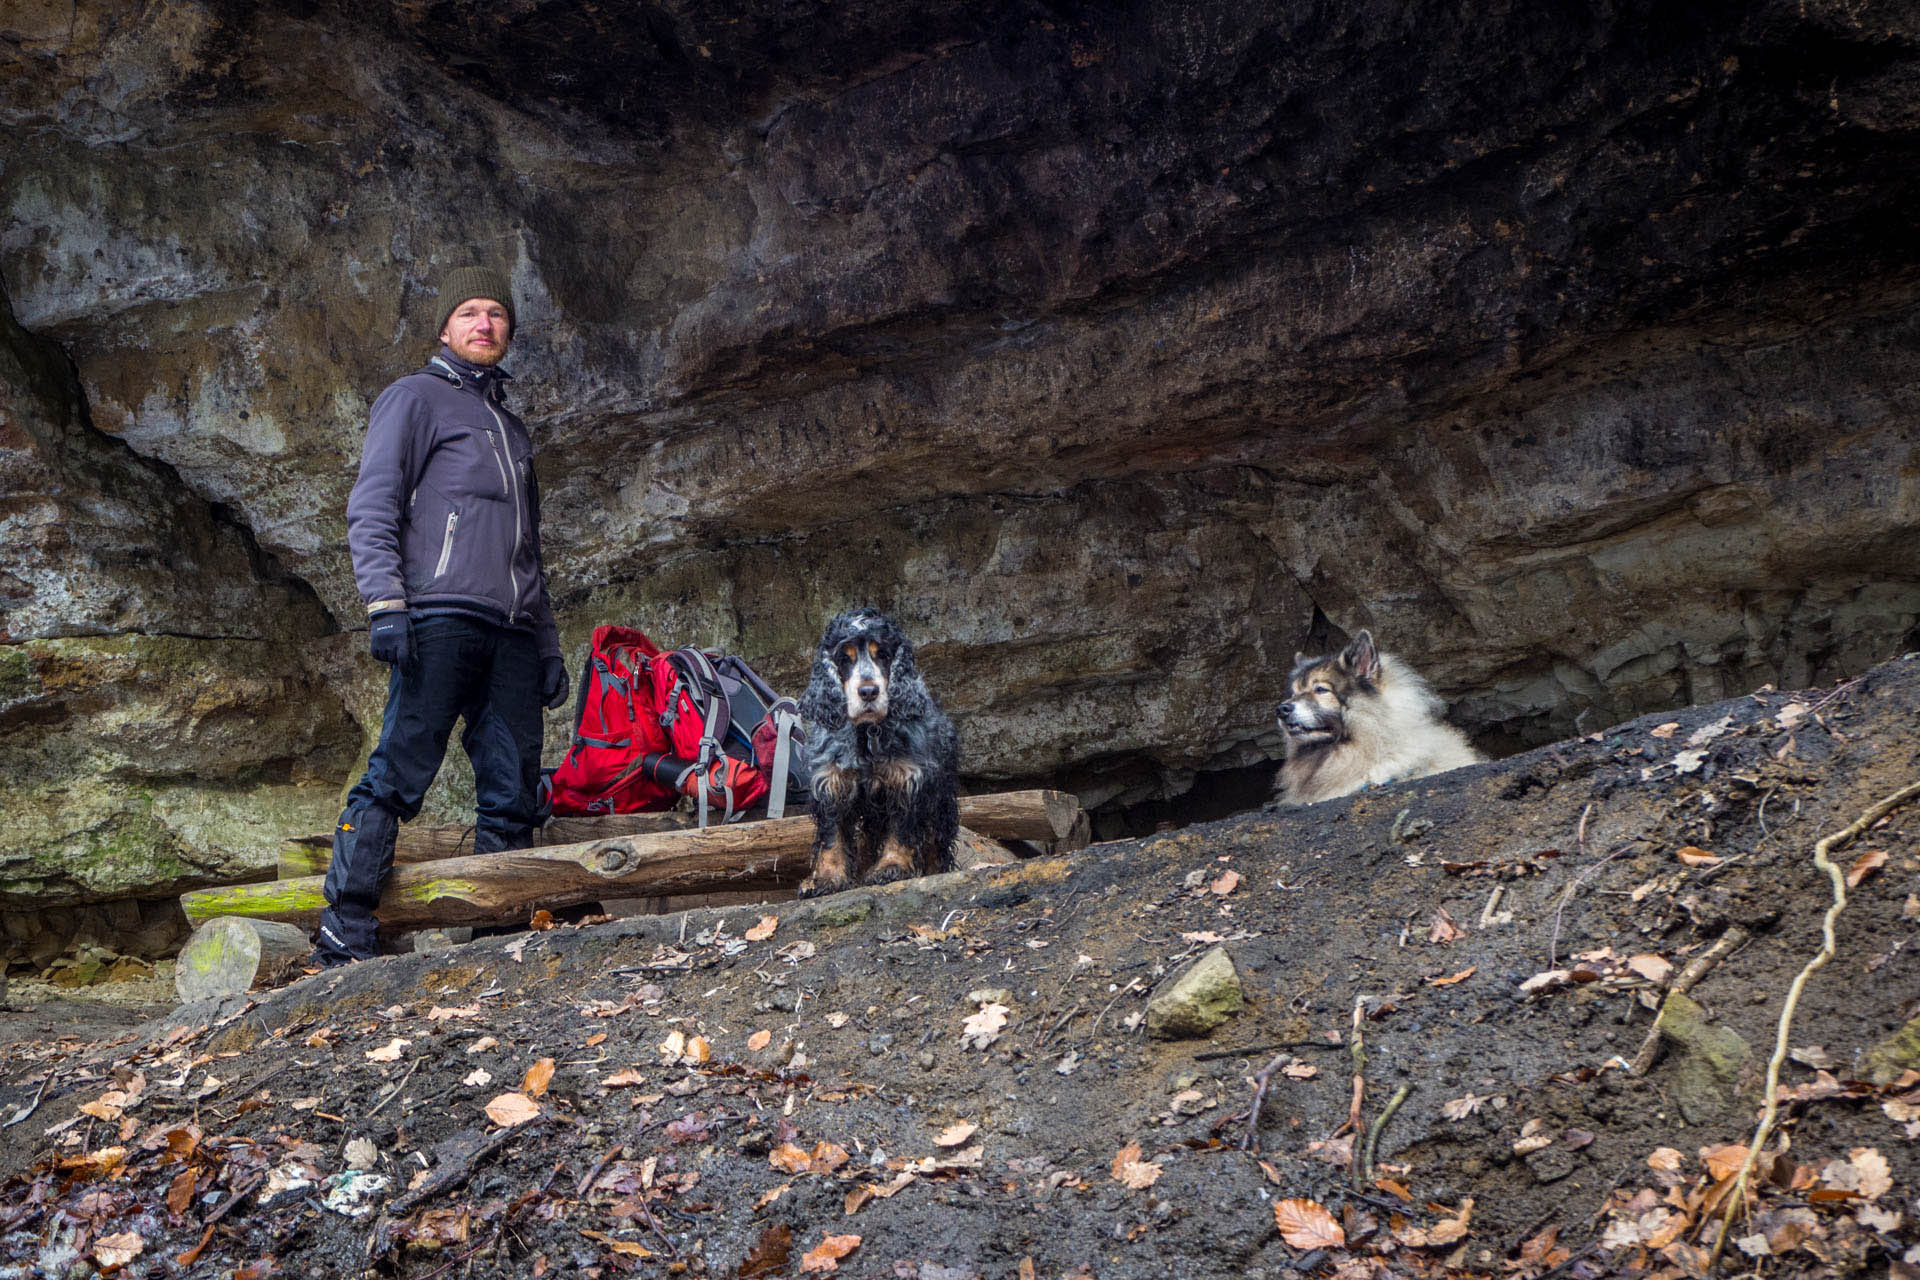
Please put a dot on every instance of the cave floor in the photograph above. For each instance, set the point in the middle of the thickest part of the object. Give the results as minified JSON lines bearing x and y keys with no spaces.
{"x":953,"y":1077}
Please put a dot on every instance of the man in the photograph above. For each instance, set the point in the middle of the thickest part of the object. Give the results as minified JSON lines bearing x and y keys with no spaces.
{"x":444,"y":526}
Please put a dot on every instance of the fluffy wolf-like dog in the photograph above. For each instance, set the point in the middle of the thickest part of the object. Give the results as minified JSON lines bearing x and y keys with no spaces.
{"x":886,"y":760}
{"x":1361,"y":718}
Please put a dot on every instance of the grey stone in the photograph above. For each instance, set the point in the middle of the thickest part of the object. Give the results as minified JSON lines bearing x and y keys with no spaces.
{"x":1712,"y":1065}
{"x":1197,"y":999}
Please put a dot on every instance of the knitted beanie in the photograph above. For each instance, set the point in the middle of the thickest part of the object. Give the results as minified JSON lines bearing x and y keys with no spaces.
{"x":472,"y":282}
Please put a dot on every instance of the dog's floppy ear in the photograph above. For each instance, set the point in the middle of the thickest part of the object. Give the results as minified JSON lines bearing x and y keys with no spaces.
{"x":824,"y":704}
{"x":906,"y":691}
{"x":1361,"y":658}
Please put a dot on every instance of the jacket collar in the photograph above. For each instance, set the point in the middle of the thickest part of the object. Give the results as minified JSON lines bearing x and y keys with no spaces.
{"x":489,"y":381}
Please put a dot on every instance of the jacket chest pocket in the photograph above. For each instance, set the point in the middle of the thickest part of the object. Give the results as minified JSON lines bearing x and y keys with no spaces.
{"x":477,"y":465}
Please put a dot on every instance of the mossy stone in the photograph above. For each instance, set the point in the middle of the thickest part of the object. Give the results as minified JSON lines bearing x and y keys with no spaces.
{"x":1712,"y":1060}
{"x":1897,"y":1054}
{"x":1201,"y":997}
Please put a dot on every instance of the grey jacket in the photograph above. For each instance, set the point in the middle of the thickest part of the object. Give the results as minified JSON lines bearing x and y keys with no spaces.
{"x":446,"y":513}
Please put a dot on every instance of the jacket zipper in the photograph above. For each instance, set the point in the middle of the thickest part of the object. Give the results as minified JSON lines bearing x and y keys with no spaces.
{"x":509,"y":482}
{"x":446,"y":545}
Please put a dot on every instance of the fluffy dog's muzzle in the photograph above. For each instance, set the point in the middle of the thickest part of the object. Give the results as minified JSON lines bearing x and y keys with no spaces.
{"x":1307,"y":723}
{"x":866,"y":690}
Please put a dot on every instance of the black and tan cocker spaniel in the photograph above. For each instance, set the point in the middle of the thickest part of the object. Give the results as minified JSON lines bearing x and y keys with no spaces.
{"x":886,"y":760}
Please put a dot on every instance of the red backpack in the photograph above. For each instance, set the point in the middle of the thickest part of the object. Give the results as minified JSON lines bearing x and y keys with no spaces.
{"x":652,"y":726}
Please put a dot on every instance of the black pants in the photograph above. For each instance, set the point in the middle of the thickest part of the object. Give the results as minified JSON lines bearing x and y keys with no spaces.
{"x":463,"y":668}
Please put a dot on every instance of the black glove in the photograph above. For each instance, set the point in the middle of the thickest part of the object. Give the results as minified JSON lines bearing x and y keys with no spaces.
{"x":554,"y":685}
{"x":390,"y":636}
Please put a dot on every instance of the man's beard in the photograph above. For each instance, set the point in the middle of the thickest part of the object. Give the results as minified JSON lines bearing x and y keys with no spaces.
{"x":483,"y":356}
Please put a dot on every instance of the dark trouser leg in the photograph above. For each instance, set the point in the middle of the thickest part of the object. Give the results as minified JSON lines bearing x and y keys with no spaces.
{"x":421,"y":708}
{"x":502,"y":739}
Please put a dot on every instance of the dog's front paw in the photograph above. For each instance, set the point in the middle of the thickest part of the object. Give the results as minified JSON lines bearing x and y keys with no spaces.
{"x":888,"y":872}
{"x":815,"y":886}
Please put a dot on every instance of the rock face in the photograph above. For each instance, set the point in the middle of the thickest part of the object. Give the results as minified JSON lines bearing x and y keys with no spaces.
{"x":1120,"y":351}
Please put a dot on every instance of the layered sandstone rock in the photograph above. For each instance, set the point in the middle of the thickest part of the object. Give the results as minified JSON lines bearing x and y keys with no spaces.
{"x":1119,"y":351}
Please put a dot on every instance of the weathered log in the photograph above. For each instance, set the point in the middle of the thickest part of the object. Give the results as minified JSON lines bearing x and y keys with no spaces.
{"x":499,"y":888}
{"x":1052,"y":820}
{"x":308,"y":855}
{"x":975,"y":850}
{"x":229,"y":954}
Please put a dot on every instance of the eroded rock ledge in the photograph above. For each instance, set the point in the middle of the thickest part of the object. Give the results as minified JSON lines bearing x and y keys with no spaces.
{"x":1120,"y":352}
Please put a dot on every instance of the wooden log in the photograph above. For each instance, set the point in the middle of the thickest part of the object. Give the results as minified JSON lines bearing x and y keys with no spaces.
{"x":975,"y":850}
{"x":229,"y":955}
{"x":308,"y":855}
{"x":497,"y":888}
{"x":1051,"y":820}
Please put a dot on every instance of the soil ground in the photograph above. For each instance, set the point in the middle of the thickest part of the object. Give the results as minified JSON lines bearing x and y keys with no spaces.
{"x":730,"y":1093}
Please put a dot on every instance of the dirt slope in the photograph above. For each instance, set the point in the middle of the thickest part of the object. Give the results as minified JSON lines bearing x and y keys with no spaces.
{"x":834,"y":1057}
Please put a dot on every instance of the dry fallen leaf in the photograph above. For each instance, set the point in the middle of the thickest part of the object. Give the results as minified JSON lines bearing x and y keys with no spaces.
{"x":1875,"y":1174}
{"x":542,"y":920}
{"x":1298,"y":1070}
{"x":1131,"y":1171}
{"x":698,"y":1050}
{"x":827,"y":1254}
{"x":955,"y":1135}
{"x":390,"y":1052}
{"x":1229,"y":881}
{"x":624,"y":1077}
{"x":1664,"y":730}
{"x":483,"y":1044}
{"x":510,"y":1109}
{"x":1665,"y":1159}
{"x":984,"y":1027}
{"x":1462,"y":1107}
{"x":1452,"y":978}
{"x":118,"y":1250}
{"x":1651,"y":967}
{"x":762,"y":931}
{"x":537,"y":1077}
{"x":479,"y":1078}
{"x":440,"y":1013}
{"x":631,"y":1248}
{"x":1306,"y":1225}
{"x":673,"y":1046}
{"x":598,"y":1037}
{"x":1694,"y":856}
{"x":1865,"y":865}
{"x":1724,"y":1161}
{"x":759,"y":1040}
{"x":1443,"y":930}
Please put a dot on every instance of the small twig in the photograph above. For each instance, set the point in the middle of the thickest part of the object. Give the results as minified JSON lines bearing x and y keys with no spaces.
{"x":1363,"y":1166}
{"x":1059,"y":1022}
{"x":1493,"y":903}
{"x":1214,"y":1055}
{"x":605,"y":1160}
{"x":1765,"y":835}
{"x":1250,"y":1141}
{"x":1131,"y":984}
{"x":1880,"y":809}
{"x":449,"y":1176}
{"x":1734,"y":937}
{"x":1580,"y":835}
{"x":1358,"y":1048}
{"x":33,"y":1106}
{"x":381,"y":1105}
{"x":1573,"y":887}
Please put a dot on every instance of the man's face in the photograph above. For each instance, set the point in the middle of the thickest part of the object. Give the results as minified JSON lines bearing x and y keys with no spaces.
{"x":478,"y":331}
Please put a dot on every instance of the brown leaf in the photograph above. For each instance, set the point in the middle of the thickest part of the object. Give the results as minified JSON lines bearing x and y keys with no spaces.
{"x":759,"y":1040}
{"x":769,"y":1255}
{"x":180,"y":1191}
{"x":1664,"y":730}
{"x":598,"y":1037}
{"x":1665,"y":1159}
{"x":1724,"y":1161}
{"x":857,"y":1197}
{"x":1131,"y":1171}
{"x":118,"y":1250}
{"x":1694,"y":856}
{"x":955,"y":1135}
{"x":1875,"y":1174}
{"x":627,"y":1247}
{"x":1452,"y":978}
{"x":789,"y":1159}
{"x":389,"y":1052}
{"x":542,"y":920}
{"x":1651,"y":967}
{"x":826,"y":1157}
{"x":1229,"y":881}
{"x":1026,"y":1268}
{"x":1536,"y":1249}
{"x":441,"y":1013}
{"x":510,"y":1109}
{"x":1865,"y":865}
{"x":1306,"y":1225}
{"x":762,"y":931}
{"x":1443,"y":929}
{"x":537,"y":1077}
{"x":698,"y":1050}
{"x":826,"y":1255}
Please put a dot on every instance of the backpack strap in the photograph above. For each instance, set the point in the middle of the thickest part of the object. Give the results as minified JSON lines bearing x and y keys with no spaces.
{"x":705,"y":681}
{"x":786,"y":717}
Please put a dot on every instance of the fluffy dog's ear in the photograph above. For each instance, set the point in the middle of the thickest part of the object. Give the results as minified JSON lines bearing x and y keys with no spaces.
{"x":906,"y":691}
{"x":824,"y":704}
{"x":1361,"y":657}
